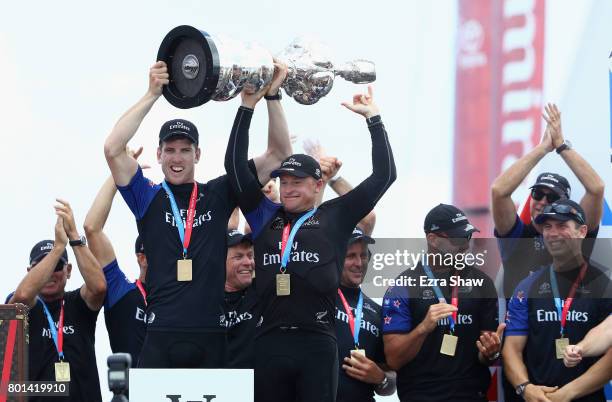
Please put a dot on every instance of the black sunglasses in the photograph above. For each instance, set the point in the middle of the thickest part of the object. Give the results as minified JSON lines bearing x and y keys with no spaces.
{"x":537,"y":195}
{"x":455,"y":241}
{"x":563,"y":209}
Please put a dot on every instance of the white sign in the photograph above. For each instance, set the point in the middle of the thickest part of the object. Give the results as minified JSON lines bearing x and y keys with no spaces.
{"x":191,"y":385}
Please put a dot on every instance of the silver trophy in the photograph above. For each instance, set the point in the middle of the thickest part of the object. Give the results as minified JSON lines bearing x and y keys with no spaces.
{"x":203,"y":67}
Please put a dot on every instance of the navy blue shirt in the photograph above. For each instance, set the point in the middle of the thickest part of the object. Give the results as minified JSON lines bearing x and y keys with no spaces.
{"x":124,"y":313}
{"x":523,"y":251}
{"x":182,"y":306}
{"x":532,"y":313}
{"x":432,"y":376}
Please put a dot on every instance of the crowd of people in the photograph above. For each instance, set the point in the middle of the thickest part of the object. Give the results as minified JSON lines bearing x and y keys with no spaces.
{"x":284,"y":297}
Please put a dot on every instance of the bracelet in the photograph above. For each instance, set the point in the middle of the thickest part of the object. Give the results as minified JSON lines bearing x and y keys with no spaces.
{"x":384,"y":383}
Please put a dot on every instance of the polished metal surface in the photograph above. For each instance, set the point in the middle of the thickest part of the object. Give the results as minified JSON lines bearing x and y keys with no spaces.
{"x":233,"y":66}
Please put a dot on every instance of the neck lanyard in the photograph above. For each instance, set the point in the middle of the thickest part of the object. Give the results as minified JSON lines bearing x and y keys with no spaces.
{"x":564,"y":306}
{"x":442,"y":299}
{"x":143,"y":292}
{"x":288,"y":237}
{"x":184,"y":232}
{"x":354,"y":321}
{"x":58,"y":337}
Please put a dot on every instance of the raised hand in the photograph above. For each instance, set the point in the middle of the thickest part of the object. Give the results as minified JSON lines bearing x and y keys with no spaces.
{"x":363,"y":104}
{"x":135,"y":154}
{"x":61,"y":239}
{"x":280,"y":73}
{"x":64,"y":211}
{"x":158,"y":77}
{"x":552,"y":116}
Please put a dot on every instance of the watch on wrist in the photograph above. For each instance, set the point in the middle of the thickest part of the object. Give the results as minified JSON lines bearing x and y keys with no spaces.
{"x":384,"y":383}
{"x":566,"y":145}
{"x":494,"y":357}
{"x":520,"y":389}
{"x":278,"y":96}
{"x":81,"y":241}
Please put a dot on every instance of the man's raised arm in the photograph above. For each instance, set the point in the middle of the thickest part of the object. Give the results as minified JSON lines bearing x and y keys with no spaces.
{"x":279,"y":144}
{"x":122,"y":166}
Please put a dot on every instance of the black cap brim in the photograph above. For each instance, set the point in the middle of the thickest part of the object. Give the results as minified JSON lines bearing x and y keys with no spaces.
{"x":236,"y":240}
{"x":551,"y":187}
{"x":461,"y":231}
{"x":364,"y":238}
{"x":176,"y":135}
{"x":540,"y":219}
{"x":289,"y":171}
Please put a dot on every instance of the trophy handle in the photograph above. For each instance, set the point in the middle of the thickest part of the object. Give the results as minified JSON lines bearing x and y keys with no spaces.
{"x":357,"y":71}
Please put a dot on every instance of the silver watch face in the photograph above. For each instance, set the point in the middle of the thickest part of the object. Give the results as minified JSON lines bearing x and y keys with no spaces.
{"x":568,"y":143}
{"x":84,"y":240}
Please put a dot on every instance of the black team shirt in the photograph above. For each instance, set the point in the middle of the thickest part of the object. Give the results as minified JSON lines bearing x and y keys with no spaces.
{"x":370,"y":339}
{"x":240,"y":319}
{"x":124,"y":313}
{"x":319,"y":247}
{"x":432,"y":376}
{"x":182,"y":306}
{"x":79,"y":350}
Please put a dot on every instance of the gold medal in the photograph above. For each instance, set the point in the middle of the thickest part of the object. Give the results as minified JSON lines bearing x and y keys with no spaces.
{"x":359,"y":351}
{"x":449,"y":345}
{"x":283,"y":284}
{"x":62,"y":372}
{"x":560,"y":345}
{"x":184,"y":273}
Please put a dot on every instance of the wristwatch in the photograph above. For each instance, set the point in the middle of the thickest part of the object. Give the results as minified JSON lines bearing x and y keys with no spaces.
{"x":520,"y":389}
{"x":566,"y":145}
{"x":384,"y":383}
{"x":278,"y":96}
{"x":494,"y":357}
{"x":81,"y":241}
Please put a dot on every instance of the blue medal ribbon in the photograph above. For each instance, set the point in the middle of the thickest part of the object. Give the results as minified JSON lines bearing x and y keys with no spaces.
{"x":52,"y":328}
{"x":439,"y":294}
{"x":296,"y":227}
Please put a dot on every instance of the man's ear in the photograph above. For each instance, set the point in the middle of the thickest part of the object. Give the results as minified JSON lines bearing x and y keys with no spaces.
{"x":198,"y":152}
{"x":319,"y":185}
{"x":159,"y":151}
{"x":68,"y":270}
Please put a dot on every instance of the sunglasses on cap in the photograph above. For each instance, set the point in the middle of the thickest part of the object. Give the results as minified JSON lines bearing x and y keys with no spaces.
{"x":562,"y":209}
{"x":455,"y":241}
{"x":538,"y":194}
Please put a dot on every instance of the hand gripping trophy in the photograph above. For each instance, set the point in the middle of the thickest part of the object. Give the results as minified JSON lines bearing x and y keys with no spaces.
{"x":203,"y":67}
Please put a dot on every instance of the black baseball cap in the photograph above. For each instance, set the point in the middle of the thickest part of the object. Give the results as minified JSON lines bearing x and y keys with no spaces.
{"x":562,"y":210}
{"x":178,"y":128}
{"x":450,"y":220}
{"x":358,"y":235}
{"x":139,"y":245}
{"x":299,"y":165}
{"x":42,"y":248}
{"x":235,"y":237}
{"x":554,"y":182}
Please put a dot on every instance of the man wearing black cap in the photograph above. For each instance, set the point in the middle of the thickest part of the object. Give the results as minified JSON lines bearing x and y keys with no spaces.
{"x":439,"y":334}
{"x":125,"y":302}
{"x":66,"y":355}
{"x":183,"y":225}
{"x":299,"y":254}
{"x":240,"y":315}
{"x":519,"y":257}
{"x":553,"y":307}
{"x":358,"y":330}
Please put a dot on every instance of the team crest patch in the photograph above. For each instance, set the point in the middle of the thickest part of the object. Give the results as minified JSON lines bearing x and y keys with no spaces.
{"x":544,"y":288}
